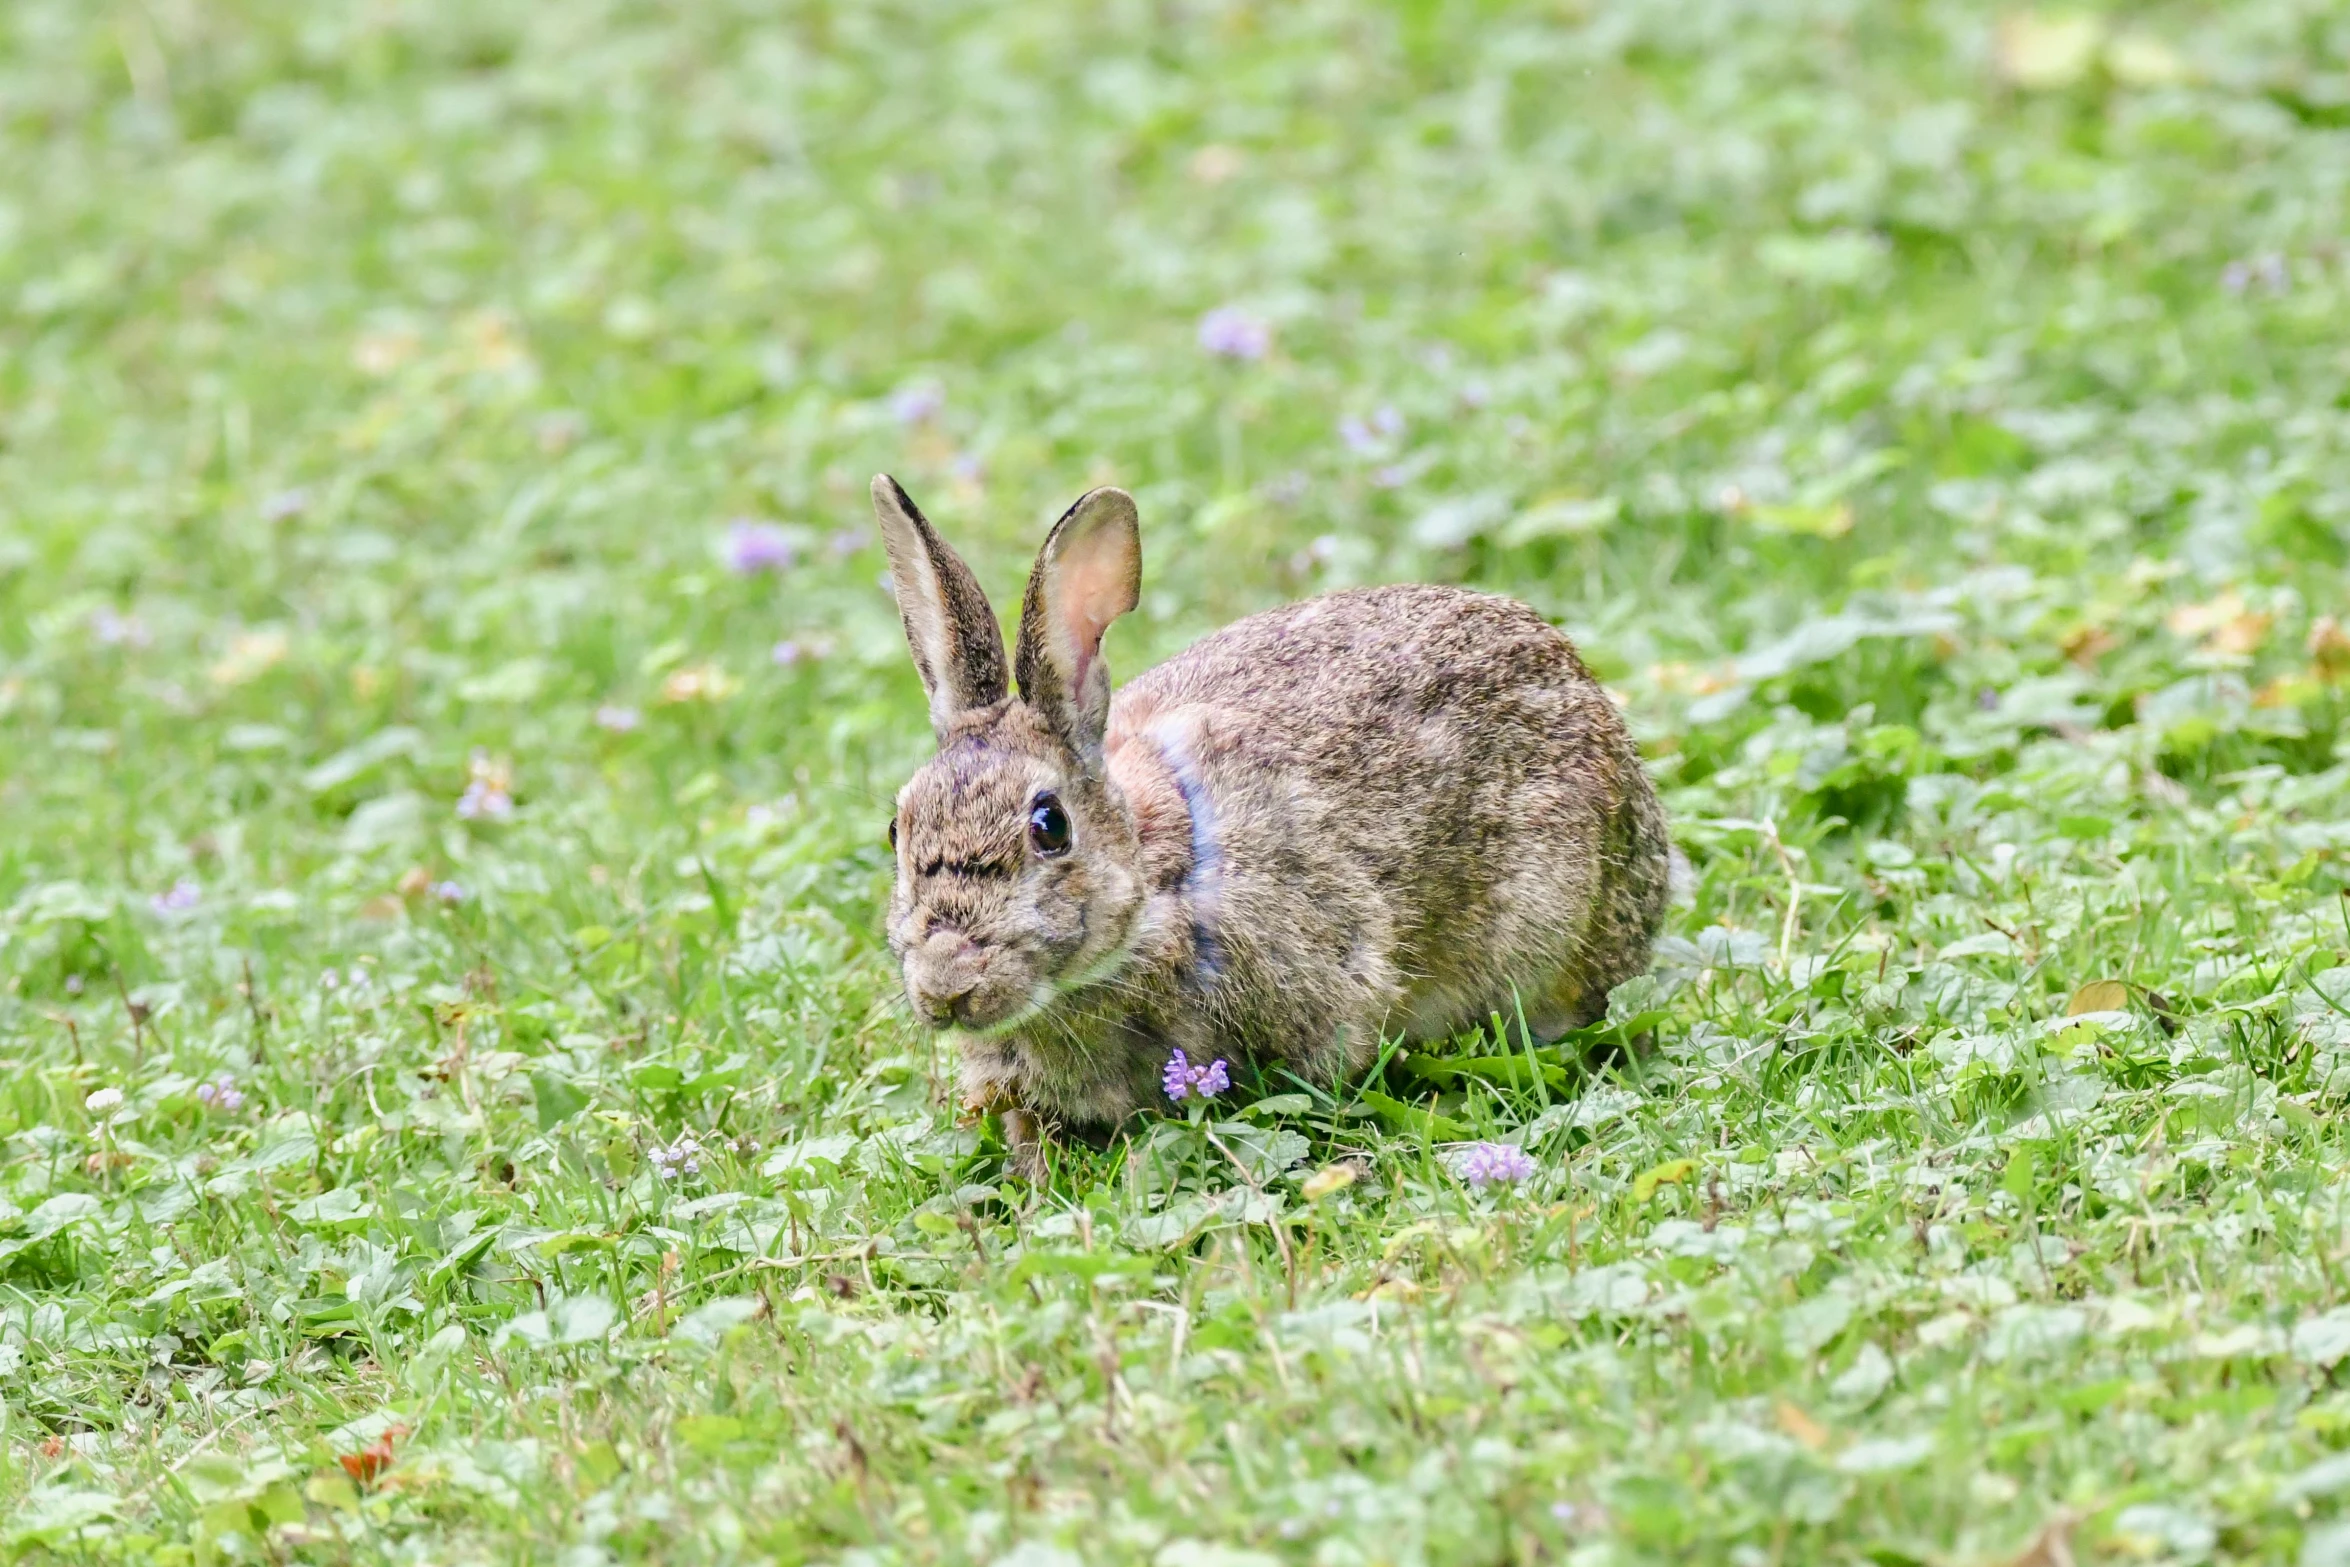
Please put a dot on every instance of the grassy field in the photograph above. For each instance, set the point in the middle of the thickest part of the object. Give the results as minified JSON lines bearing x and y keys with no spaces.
{"x":455,"y":1102}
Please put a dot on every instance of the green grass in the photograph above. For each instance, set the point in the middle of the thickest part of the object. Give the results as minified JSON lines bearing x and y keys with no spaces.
{"x":1939,"y":435}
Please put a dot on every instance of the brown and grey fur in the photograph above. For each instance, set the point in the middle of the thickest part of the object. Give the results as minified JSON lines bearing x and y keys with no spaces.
{"x":1393,"y":810}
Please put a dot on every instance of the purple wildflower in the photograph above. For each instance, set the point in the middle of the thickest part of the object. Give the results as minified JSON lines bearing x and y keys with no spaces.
{"x":73,"y":984}
{"x":182,"y":896}
{"x":2268,"y":270}
{"x":1369,"y":437}
{"x":1483,"y":1164}
{"x":489,"y":790}
{"x":681,"y":1158}
{"x":848,"y":541}
{"x":284,"y":504}
{"x":1287,"y":490}
{"x":1230,"y":332}
{"x":619,"y":720}
{"x":1185,"y":1081}
{"x":754,"y":547}
{"x":483,"y":799}
{"x":794,"y":651}
{"x":918,"y":403}
{"x":223,"y":1095}
{"x":114,"y":630}
{"x":447,"y":892}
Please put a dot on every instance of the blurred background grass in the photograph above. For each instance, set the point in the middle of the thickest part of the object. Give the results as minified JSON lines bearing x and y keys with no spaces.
{"x":433,"y":548}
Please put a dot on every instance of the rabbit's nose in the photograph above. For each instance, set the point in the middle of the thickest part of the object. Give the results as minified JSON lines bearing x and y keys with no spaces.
{"x":938,"y":1011}
{"x":946,"y":970}
{"x":939,"y":1005}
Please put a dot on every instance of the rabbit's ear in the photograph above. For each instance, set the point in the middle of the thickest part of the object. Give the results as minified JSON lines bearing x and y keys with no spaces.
{"x":1087,"y":575}
{"x":957,"y":645}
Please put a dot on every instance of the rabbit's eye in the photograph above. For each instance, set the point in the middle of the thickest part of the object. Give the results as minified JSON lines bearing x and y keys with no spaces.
{"x":1048,"y":825}
{"x":893,"y":832}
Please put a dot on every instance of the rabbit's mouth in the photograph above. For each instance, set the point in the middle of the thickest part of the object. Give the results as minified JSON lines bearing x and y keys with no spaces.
{"x":972,"y":990}
{"x":992,"y":1011}
{"x":993,"y":1006}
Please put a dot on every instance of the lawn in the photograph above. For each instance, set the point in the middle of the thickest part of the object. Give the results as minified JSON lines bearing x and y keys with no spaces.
{"x":455,"y":1104}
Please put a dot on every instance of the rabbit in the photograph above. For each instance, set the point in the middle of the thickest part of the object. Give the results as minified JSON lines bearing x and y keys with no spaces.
{"x":1387,"y":811}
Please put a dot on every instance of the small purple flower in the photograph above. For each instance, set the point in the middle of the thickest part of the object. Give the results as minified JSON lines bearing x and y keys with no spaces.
{"x":1579,"y":1515}
{"x":222,"y":1094}
{"x":1372,"y":436}
{"x":966,"y":467}
{"x":284,"y":504}
{"x":847,"y":542}
{"x":788,"y":653}
{"x":2268,"y":270}
{"x":755,"y":547}
{"x":1392,"y":476}
{"x":917,"y":403}
{"x":1230,"y":332}
{"x":1475,"y":394}
{"x":182,"y":897}
{"x":489,"y":790}
{"x":1287,"y":490}
{"x":73,"y":984}
{"x":681,"y":1158}
{"x":330,"y":980}
{"x":114,"y":630}
{"x":447,"y":892}
{"x":1483,"y":1164}
{"x":1185,"y":1081}
{"x":484,"y":801}
{"x":619,"y":720}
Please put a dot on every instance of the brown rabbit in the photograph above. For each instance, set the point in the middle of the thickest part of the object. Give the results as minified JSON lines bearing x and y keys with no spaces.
{"x":1393,"y":810}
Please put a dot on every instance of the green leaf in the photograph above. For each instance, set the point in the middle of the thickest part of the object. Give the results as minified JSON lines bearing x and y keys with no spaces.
{"x":1673,"y":1172}
{"x":708,"y":1434}
{"x":1080,"y":1265}
{"x":342,"y":1208}
{"x":1413,"y":1121}
{"x":2021,"y":1177}
{"x":54,"y":1515}
{"x":599,"y":1462}
{"x":555,"y":1098}
{"x":1508,"y":1071}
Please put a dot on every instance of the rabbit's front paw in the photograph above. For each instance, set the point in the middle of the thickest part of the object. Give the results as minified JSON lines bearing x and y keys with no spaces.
{"x":1024,"y":1143}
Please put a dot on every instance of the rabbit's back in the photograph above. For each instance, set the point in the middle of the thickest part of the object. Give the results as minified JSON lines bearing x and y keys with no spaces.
{"x":1422,"y":806}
